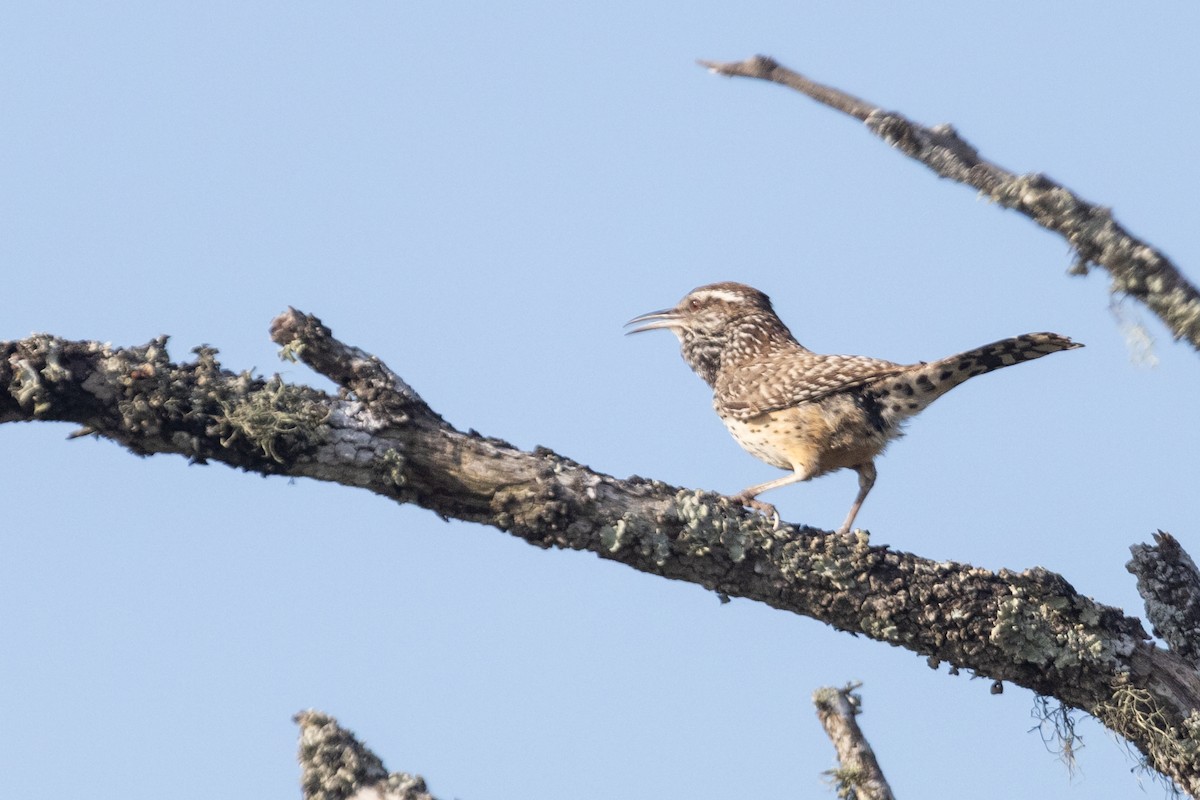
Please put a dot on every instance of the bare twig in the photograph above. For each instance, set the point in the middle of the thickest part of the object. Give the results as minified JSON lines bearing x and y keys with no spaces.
{"x":1136,"y":268}
{"x":859,"y":776}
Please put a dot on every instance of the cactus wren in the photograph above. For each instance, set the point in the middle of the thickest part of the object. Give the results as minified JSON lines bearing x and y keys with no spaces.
{"x":806,"y":412}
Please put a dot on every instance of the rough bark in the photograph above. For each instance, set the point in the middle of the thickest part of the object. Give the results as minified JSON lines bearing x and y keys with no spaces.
{"x":334,"y":765}
{"x":1029,"y":628}
{"x":859,"y":777}
{"x":1136,"y":268}
{"x":1169,"y":582}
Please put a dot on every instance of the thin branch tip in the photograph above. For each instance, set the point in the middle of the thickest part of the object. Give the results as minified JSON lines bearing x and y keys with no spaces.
{"x":859,"y":773}
{"x":1137,"y":269}
{"x":758,"y":66}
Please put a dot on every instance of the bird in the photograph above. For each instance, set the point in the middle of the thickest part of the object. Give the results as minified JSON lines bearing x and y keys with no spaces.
{"x":806,"y":412}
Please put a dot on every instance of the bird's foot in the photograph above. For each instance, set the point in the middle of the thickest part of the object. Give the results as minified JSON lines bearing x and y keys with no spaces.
{"x":758,"y":505}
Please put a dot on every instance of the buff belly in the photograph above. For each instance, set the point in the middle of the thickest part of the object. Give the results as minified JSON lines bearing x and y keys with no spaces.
{"x":812,"y":438}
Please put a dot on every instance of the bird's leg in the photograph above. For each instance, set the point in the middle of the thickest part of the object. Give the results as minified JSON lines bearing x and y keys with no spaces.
{"x":866,"y":479}
{"x":746,"y":496}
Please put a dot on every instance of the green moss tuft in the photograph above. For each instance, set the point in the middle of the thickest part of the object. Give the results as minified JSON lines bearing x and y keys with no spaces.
{"x":278,"y":419}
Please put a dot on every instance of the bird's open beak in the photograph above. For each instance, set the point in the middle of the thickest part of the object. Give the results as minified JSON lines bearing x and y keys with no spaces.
{"x":666,"y":318}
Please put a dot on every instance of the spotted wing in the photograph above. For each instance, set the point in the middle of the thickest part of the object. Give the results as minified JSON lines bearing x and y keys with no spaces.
{"x":788,"y":379}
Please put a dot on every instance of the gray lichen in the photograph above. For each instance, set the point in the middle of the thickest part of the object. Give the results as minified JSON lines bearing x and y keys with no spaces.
{"x":839,"y":559}
{"x":711,"y":523}
{"x":634,"y":531}
{"x":1033,"y":629}
{"x":31,"y":383}
{"x":29,"y":390}
{"x":393,"y":464}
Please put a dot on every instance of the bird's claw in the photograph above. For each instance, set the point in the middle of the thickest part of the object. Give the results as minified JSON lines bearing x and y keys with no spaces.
{"x":763,"y":508}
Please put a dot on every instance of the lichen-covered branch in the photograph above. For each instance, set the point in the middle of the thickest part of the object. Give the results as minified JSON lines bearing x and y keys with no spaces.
{"x":859,"y":776}
{"x":1169,"y":582}
{"x":1030,"y":628}
{"x":334,"y":765}
{"x":1136,"y":268}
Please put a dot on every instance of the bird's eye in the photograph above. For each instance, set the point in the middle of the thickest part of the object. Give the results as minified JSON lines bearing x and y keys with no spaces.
{"x":694,"y":305}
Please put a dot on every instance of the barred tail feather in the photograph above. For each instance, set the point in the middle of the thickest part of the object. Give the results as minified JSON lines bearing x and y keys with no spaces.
{"x":952,"y":371}
{"x":914,"y":389}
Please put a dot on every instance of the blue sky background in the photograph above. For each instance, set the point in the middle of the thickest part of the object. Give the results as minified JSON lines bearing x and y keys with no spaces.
{"x":481,"y":194}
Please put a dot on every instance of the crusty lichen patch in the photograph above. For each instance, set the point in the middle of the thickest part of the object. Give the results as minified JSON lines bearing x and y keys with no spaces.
{"x":710,"y":527}
{"x":840,"y":562}
{"x":632,"y":530}
{"x":1034,"y":628}
{"x":393,"y":464}
{"x":30,"y":384}
{"x":710,"y":523}
{"x":278,"y":419}
{"x":28,"y":388}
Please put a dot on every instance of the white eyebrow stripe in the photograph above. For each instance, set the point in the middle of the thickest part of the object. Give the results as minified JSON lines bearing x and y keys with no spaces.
{"x":718,"y":294}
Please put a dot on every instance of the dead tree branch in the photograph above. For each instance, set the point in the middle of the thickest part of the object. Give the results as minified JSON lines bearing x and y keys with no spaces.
{"x":334,"y":765}
{"x":859,"y":777}
{"x":1170,"y":584}
{"x":1029,"y":628}
{"x":1136,"y":268}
